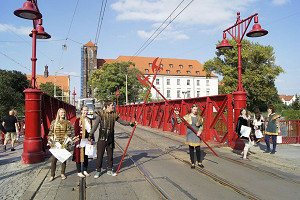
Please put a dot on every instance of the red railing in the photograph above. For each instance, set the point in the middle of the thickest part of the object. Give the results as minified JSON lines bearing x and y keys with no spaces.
{"x":217,"y":127}
{"x":289,"y":130}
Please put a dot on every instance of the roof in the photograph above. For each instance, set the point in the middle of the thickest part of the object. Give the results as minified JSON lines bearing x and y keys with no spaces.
{"x":89,"y":44}
{"x":61,"y":81}
{"x":171,"y":66}
{"x":286,"y":97}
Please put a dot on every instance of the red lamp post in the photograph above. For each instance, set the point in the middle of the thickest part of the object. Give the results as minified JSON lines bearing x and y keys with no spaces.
{"x":32,"y":146}
{"x":117,"y":93}
{"x":74,"y":94}
{"x":237,"y":31}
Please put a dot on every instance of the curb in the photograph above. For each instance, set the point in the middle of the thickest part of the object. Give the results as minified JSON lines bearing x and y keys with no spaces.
{"x":31,"y":191}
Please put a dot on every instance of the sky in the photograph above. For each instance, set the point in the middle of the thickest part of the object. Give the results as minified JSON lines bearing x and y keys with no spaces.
{"x":194,"y":29}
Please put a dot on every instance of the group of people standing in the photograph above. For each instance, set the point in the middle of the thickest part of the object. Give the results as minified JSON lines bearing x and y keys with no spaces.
{"x":84,"y":129}
{"x":256,"y":126}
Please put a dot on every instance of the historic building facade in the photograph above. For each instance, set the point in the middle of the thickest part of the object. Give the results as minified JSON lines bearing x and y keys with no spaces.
{"x":180,"y":78}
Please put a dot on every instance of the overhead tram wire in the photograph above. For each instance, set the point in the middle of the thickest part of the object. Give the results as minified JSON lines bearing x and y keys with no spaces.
{"x":142,"y":49}
{"x":137,"y":52}
{"x":15,"y":61}
{"x":65,"y":44}
{"x":100,"y":20}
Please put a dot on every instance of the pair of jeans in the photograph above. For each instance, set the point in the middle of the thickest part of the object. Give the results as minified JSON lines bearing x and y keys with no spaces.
{"x":101,"y":146}
{"x":267,"y":140}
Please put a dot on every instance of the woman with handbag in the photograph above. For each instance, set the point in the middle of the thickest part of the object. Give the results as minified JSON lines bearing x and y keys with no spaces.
{"x":82,"y":128}
{"x":272,"y":130}
{"x":192,"y":139}
{"x":60,"y":130}
{"x":243,"y":129}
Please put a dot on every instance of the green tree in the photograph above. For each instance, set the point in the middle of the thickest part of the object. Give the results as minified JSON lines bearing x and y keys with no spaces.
{"x":110,"y":77}
{"x":259,"y":72}
{"x":48,"y":88}
{"x":296,"y":104}
{"x":13,"y":84}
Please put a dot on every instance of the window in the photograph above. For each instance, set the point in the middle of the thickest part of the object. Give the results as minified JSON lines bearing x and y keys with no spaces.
{"x":150,"y":64}
{"x":146,"y":70}
{"x":191,"y":66}
{"x":207,"y":82}
{"x":188,"y":82}
{"x":198,"y":93}
{"x":168,"y":81}
{"x":178,"y":71}
{"x":198,"y":82}
{"x":168,"y":93}
{"x":90,"y":54}
{"x":197,"y":72}
{"x":157,"y":95}
{"x":188,"y":72}
{"x":180,"y":66}
{"x":188,"y":94}
{"x":168,"y":71}
{"x":161,"y":65}
{"x":207,"y":92}
{"x":178,"y":93}
{"x":157,"y":81}
{"x":178,"y":81}
{"x":171,"y":65}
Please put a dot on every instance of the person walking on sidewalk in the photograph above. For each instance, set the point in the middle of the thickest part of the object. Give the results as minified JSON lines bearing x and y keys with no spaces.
{"x":273,"y":129}
{"x":10,"y":124}
{"x":19,"y":127}
{"x":192,"y":139}
{"x":60,"y":129}
{"x":106,"y":119}
{"x":2,"y":128}
{"x":82,"y":129}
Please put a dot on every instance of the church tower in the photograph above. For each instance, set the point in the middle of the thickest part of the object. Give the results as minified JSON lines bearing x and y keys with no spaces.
{"x":88,"y":66}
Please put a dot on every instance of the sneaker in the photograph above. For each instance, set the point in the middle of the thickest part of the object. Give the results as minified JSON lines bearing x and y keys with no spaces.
{"x":4,"y":148}
{"x":246,"y":159}
{"x":13,"y":149}
{"x":110,"y":172}
{"x":267,"y":151}
{"x":97,"y":175}
{"x":51,"y":178}
{"x":86,"y":173}
{"x":273,"y":152}
{"x":80,"y":175}
{"x":193,"y":166}
{"x":63,"y":177}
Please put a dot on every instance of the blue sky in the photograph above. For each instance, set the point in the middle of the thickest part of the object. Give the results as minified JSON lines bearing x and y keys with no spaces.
{"x":127,"y":24}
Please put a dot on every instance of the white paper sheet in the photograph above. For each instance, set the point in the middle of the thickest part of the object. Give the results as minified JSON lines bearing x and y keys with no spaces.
{"x":61,"y":154}
{"x":83,"y":142}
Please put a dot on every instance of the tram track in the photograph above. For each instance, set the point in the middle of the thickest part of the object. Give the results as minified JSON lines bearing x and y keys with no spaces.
{"x":211,"y":175}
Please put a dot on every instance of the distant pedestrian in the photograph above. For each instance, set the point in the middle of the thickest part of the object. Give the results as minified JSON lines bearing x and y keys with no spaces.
{"x":193,"y":139}
{"x":273,"y":129}
{"x":10,"y":124}
{"x":244,"y":124}
{"x":19,"y":127}
{"x":106,"y":119}
{"x":60,"y":129}
{"x":258,"y":125}
{"x":82,"y":129}
{"x":2,"y":128}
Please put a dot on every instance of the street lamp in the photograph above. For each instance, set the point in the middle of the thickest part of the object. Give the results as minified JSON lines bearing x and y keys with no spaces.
{"x":55,"y":81}
{"x":117,"y":94}
{"x":32,"y":146}
{"x":237,"y":31}
{"x":184,"y":93}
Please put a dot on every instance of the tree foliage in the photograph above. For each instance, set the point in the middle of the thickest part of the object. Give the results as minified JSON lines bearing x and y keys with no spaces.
{"x":296,"y":104}
{"x":110,"y":77}
{"x":259,"y":72}
{"x":13,"y":84}
{"x":48,"y":88}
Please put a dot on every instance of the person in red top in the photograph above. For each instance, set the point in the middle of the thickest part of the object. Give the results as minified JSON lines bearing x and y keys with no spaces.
{"x":82,"y":128}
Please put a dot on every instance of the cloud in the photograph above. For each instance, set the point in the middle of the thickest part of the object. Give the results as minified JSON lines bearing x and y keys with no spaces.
{"x":208,"y":15}
{"x":280,"y":2}
{"x":20,"y":31}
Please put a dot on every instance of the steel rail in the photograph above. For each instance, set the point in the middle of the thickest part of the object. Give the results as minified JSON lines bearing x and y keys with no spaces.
{"x":146,"y":176}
